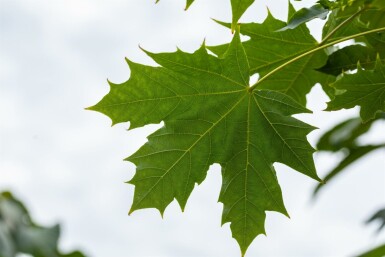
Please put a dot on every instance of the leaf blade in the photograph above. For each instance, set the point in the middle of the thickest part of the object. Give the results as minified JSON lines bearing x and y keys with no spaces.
{"x":365,"y":88}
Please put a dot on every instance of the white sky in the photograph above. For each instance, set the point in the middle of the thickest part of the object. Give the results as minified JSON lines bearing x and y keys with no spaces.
{"x":66,"y":163}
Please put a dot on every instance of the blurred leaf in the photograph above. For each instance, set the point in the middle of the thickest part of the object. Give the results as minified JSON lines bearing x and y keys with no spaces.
{"x":73,"y":254}
{"x":306,"y":14}
{"x":344,"y":4}
{"x":19,"y":234}
{"x":326,"y":4}
{"x":343,"y":135}
{"x":380,"y":216}
{"x":376,"y":252}
{"x":7,"y":248}
{"x":378,"y":3}
{"x":354,"y":154}
{"x":38,"y":241}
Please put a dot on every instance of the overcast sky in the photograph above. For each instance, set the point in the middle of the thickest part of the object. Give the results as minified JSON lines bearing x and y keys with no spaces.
{"x":66,"y":163}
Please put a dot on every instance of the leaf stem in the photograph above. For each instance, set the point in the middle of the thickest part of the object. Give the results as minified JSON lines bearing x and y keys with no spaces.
{"x":341,"y":25}
{"x":280,"y":67}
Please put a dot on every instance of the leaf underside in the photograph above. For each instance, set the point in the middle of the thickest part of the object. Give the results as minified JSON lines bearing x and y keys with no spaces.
{"x":210,"y":116}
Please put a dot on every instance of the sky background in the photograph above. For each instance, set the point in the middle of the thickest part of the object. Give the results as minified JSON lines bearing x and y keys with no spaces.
{"x":67,"y":164}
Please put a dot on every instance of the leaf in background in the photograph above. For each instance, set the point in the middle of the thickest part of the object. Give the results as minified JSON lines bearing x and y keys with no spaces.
{"x":376,"y":252}
{"x":344,"y":4}
{"x":378,"y":216}
{"x":73,"y":254}
{"x":305,"y":15}
{"x":365,"y":88}
{"x":354,"y":154}
{"x":326,"y":4}
{"x":373,"y":19}
{"x":210,"y":116}
{"x":343,"y":135}
{"x":267,"y":49}
{"x":348,"y":57}
{"x":360,"y":17}
{"x":337,"y":17}
{"x":38,"y":241}
{"x":7,"y":247}
{"x":19,"y":234}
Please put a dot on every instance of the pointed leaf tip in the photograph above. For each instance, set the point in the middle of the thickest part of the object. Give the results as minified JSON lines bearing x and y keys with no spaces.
{"x":188,"y":4}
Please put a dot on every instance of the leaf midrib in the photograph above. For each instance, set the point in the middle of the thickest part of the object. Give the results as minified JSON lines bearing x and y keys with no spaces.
{"x":171,"y":97}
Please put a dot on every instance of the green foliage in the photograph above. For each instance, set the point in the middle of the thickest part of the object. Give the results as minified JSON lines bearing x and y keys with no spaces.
{"x":344,"y":137}
{"x":212,"y":114}
{"x":346,"y":59}
{"x":266,"y":53}
{"x":378,"y":251}
{"x":365,"y":88}
{"x":354,"y":154}
{"x":378,"y":216}
{"x":19,"y":234}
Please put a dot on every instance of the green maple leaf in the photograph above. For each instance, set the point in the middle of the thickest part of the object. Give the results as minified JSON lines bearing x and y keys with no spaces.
{"x":356,"y":21}
{"x":269,"y":48}
{"x":365,"y":88}
{"x":360,"y":16}
{"x":210,"y":115}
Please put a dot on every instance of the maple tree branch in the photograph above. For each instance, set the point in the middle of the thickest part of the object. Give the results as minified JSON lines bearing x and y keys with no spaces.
{"x":280,"y":67}
{"x":341,"y":25}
